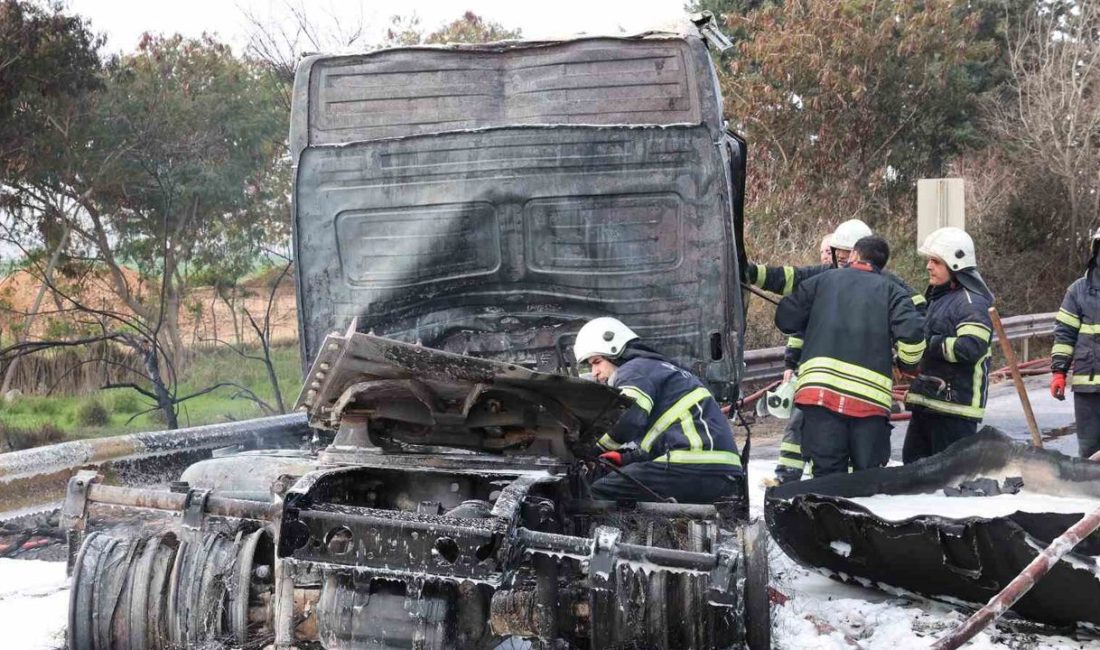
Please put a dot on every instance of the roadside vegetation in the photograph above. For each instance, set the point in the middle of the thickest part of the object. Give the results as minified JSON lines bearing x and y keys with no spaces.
{"x":847,"y":103}
{"x":31,"y":420}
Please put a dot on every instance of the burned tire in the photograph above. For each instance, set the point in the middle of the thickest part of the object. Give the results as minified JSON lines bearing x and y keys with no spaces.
{"x":154,"y":593}
{"x":119,"y":587}
{"x":758,"y":613}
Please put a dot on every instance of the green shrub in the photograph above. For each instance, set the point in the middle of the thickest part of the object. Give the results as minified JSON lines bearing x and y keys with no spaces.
{"x":125,"y":402}
{"x":93,"y":414}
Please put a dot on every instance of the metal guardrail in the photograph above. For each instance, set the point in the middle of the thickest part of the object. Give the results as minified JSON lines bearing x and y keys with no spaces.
{"x":767,"y":363}
{"x":33,"y":477}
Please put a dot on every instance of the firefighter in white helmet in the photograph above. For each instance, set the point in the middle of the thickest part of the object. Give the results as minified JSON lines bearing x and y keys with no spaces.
{"x":674,"y":438}
{"x":1080,"y":314}
{"x":834,"y":252}
{"x":948,"y":396}
{"x":783,"y":280}
{"x":853,"y":320}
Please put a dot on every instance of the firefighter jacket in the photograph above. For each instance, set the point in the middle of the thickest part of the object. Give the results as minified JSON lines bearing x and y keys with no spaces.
{"x":1077,"y":335}
{"x":852,"y":318}
{"x":674,"y":418}
{"x":783,"y":280}
{"x":954,"y":375}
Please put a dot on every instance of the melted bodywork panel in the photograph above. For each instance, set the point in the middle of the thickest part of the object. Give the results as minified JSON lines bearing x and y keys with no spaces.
{"x":957,"y":560}
{"x":377,"y":391}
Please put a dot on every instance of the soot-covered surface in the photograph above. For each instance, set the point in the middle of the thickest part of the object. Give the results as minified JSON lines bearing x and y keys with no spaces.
{"x":968,"y":559}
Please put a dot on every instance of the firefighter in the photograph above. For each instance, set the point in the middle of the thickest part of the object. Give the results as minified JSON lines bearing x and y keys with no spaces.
{"x":674,"y":438}
{"x":948,"y":397}
{"x":791,"y":464}
{"x":852,"y":318}
{"x":783,"y":280}
{"x":1080,"y":314}
{"x":825,"y":250}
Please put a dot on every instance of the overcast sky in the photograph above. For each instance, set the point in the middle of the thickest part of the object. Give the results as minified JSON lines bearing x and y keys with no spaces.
{"x":123,"y":21}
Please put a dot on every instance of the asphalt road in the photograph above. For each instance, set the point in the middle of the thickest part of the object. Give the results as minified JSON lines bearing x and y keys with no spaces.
{"x":1004,"y":411}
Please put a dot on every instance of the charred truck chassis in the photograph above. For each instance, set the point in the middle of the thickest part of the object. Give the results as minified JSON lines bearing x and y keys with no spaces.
{"x":363,"y":546}
{"x":334,"y":563}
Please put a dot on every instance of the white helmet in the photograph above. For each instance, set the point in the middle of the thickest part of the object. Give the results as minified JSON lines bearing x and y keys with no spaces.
{"x":780,"y":401}
{"x":952,"y":246}
{"x":604,"y":336}
{"x":848,"y":233}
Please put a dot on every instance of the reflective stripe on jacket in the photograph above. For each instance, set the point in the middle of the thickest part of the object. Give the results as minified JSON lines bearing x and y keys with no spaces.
{"x":954,"y":375}
{"x":848,"y":321}
{"x":674,"y":418}
{"x":1077,"y":336}
{"x":783,"y":280}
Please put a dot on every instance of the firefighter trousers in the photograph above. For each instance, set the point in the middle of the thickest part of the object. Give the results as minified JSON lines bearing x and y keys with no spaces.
{"x":1086,"y":409}
{"x":791,"y":464}
{"x":833,"y":442}
{"x":685,"y":483}
{"x":930,"y":433}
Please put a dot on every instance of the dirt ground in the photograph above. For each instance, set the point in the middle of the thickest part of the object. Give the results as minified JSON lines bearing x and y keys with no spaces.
{"x":205,"y":316}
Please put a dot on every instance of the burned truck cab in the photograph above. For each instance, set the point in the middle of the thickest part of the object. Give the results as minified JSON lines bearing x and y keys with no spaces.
{"x":459,"y":213}
{"x":488,"y":200}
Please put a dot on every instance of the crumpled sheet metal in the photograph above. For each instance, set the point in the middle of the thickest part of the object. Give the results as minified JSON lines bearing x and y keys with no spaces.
{"x":962,"y":561}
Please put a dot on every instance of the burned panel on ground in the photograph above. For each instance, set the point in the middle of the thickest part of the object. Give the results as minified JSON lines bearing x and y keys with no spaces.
{"x":967,"y":559}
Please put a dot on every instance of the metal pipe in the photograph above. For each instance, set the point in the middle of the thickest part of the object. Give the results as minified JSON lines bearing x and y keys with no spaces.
{"x":546,"y":596}
{"x":68,"y":456}
{"x":760,"y":294}
{"x":554,"y":544}
{"x":668,"y":557}
{"x":1021,"y":584}
{"x":693,"y":510}
{"x":1010,"y":356}
{"x":173,"y":502}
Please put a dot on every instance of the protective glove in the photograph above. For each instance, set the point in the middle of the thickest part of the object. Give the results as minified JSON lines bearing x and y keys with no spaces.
{"x":1058,"y":385}
{"x":613,"y":457}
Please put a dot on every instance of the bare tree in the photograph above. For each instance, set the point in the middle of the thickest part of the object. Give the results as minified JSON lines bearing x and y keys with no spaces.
{"x":153,"y":375}
{"x":262,"y":326}
{"x":281,"y":41}
{"x":1053,"y":118}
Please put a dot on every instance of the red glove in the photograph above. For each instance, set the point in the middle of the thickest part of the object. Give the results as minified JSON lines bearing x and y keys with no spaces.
{"x":613,"y":457}
{"x":1058,"y":385}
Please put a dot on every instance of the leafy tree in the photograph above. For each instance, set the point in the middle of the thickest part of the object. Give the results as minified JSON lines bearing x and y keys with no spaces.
{"x":847,"y":102}
{"x":1049,"y":115}
{"x":192,"y":134}
{"x":469,"y":28}
{"x":174,"y":163}
{"x":48,"y":62}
